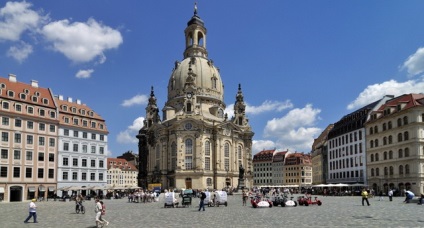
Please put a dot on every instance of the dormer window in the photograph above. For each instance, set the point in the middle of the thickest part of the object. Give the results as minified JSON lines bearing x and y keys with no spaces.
{"x":3,"y":86}
{"x":37,"y":94}
{"x":26,"y":91}
{"x":65,"y":108}
{"x":82,"y":112}
{"x":10,"y":93}
{"x":75,"y":121}
{"x":34,"y":99}
{"x":45,"y":101}
{"x":22,"y":96}
{"x":74,"y":110}
{"x":93,"y":124}
{"x":66,"y":120}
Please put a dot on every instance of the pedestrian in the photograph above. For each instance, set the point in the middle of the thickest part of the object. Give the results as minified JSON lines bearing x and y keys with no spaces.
{"x":409,"y":195}
{"x":103,"y":214}
{"x":32,"y":211}
{"x":244,"y":197}
{"x":202,"y":200}
{"x":390,"y":194}
{"x":380,"y":194}
{"x":364,"y":195}
{"x":98,"y":210}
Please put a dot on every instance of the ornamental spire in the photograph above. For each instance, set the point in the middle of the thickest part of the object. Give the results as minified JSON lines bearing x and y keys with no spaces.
{"x":195,"y":8}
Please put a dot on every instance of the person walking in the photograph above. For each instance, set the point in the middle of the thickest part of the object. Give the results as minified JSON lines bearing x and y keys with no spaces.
{"x":103,"y":214}
{"x":364,"y":195}
{"x":390,"y":194}
{"x":32,"y":211}
{"x":202,"y":200}
{"x":98,"y":210}
{"x":244,"y":195}
{"x":380,"y":194}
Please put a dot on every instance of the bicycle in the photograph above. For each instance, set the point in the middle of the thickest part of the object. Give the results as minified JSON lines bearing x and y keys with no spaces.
{"x":80,"y":208}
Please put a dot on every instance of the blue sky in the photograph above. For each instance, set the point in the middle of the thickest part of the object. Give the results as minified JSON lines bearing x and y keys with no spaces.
{"x":302,"y":64}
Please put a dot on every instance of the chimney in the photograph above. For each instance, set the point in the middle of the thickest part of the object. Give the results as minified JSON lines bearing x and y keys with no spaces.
{"x":61,"y":97}
{"x":69,"y":99}
{"x":78,"y":101}
{"x":34,"y":83}
{"x":12,"y":78}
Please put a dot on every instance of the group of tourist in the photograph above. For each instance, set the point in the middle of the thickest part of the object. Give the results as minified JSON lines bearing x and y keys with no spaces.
{"x":142,"y":197}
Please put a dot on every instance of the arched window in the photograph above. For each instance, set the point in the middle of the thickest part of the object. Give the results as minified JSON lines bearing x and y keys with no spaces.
{"x":188,"y":107}
{"x":385,"y":155}
{"x":400,"y":153}
{"x":239,"y":152}
{"x":376,"y":157}
{"x":207,"y":148}
{"x":375,"y":129}
{"x":372,"y":157}
{"x":399,"y":122}
{"x":406,"y":169}
{"x":390,"y":139}
{"x":372,"y":144}
{"x":401,"y":169}
{"x":406,"y":152}
{"x":376,"y":142}
{"x":390,"y":154}
{"x":405,"y":120}
{"x":372,"y":172}
{"x":400,"y":137}
{"x":389,"y":125}
{"x":405,"y":136}
{"x":371,"y":131}
{"x":189,"y":146}
{"x":377,"y":171}
{"x":391,"y":170}
{"x":227,"y":150}
{"x":385,"y":141}
{"x":384,"y":126}
{"x":386,"y":171}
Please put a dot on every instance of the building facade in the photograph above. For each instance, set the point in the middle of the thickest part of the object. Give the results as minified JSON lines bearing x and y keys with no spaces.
{"x":82,"y":146}
{"x":262,"y":168}
{"x":319,"y":157}
{"x":195,"y":144}
{"x":28,"y":147}
{"x":278,"y":168}
{"x":347,"y":145}
{"x":395,"y":145}
{"x":298,"y":170}
{"x":121,"y":173}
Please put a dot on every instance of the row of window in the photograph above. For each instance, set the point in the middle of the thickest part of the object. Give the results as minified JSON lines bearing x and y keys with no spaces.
{"x":65,"y":176}
{"x":16,"y":172}
{"x":388,"y":140}
{"x":25,"y":94}
{"x":4,"y":154}
{"x":29,"y":109}
{"x":29,"y":139}
{"x":390,"y":170}
{"x":74,"y":110}
{"x":29,"y":124}
{"x":388,"y":125}
{"x":340,"y":152}
{"x":347,"y":174}
{"x":352,"y":137}
{"x":83,"y":135}
{"x":76,"y":148}
{"x":401,"y":153}
{"x":346,"y":163}
{"x":84,"y":162}
{"x":84,"y":123}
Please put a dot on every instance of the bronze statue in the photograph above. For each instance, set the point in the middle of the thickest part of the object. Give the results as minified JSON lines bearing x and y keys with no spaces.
{"x":241,"y":172}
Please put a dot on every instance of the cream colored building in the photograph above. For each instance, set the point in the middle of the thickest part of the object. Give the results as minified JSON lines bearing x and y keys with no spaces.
{"x":395,"y":145}
{"x":28,"y":144}
{"x":195,"y":144}
{"x":121,"y":173}
{"x":298,"y":170}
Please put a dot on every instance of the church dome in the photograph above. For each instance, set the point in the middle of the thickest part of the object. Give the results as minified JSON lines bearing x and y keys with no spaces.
{"x":196,"y":75}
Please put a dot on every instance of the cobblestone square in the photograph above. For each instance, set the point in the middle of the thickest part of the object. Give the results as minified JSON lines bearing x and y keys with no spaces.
{"x":344,"y":211}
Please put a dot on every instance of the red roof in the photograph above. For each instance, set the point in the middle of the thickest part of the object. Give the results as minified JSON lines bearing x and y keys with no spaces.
{"x":120,"y":163}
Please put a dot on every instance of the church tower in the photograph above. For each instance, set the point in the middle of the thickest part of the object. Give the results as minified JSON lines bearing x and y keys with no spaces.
{"x":194,"y":145}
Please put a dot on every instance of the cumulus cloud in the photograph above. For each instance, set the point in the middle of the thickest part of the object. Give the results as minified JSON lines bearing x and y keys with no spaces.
{"x":377,"y":91}
{"x":259,"y":145}
{"x":20,"y":51}
{"x":296,"y":130}
{"x":136,"y":100}
{"x":128,"y":135}
{"x":415,"y":63}
{"x":84,"y":73}
{"x":266,"y":106}
{"x":82,"y":42}
{"x":16,"y":18}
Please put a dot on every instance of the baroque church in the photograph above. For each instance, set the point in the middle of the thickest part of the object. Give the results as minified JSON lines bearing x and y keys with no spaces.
{"x":194,"y":144}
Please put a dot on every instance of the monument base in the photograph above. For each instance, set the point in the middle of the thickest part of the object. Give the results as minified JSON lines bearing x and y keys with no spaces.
{"x":241,"y":184}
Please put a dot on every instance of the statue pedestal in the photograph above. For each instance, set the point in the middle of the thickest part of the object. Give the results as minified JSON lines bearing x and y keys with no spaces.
{"x":241,"y":184}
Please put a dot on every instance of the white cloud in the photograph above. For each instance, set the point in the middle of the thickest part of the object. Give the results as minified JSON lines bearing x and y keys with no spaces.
{"x":16,"y":18}
{"x":259,"y":145}
{"x":296,"y":130}
{"x":84,"y":73}
{"x":377,"y":91}
{"x":415,"y":62}
{"x":128,"y":136}
{"x":136,"y":100}
{"x":82,"y":42}
{"x":266,"y":106}
{"x":20,"y":51}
